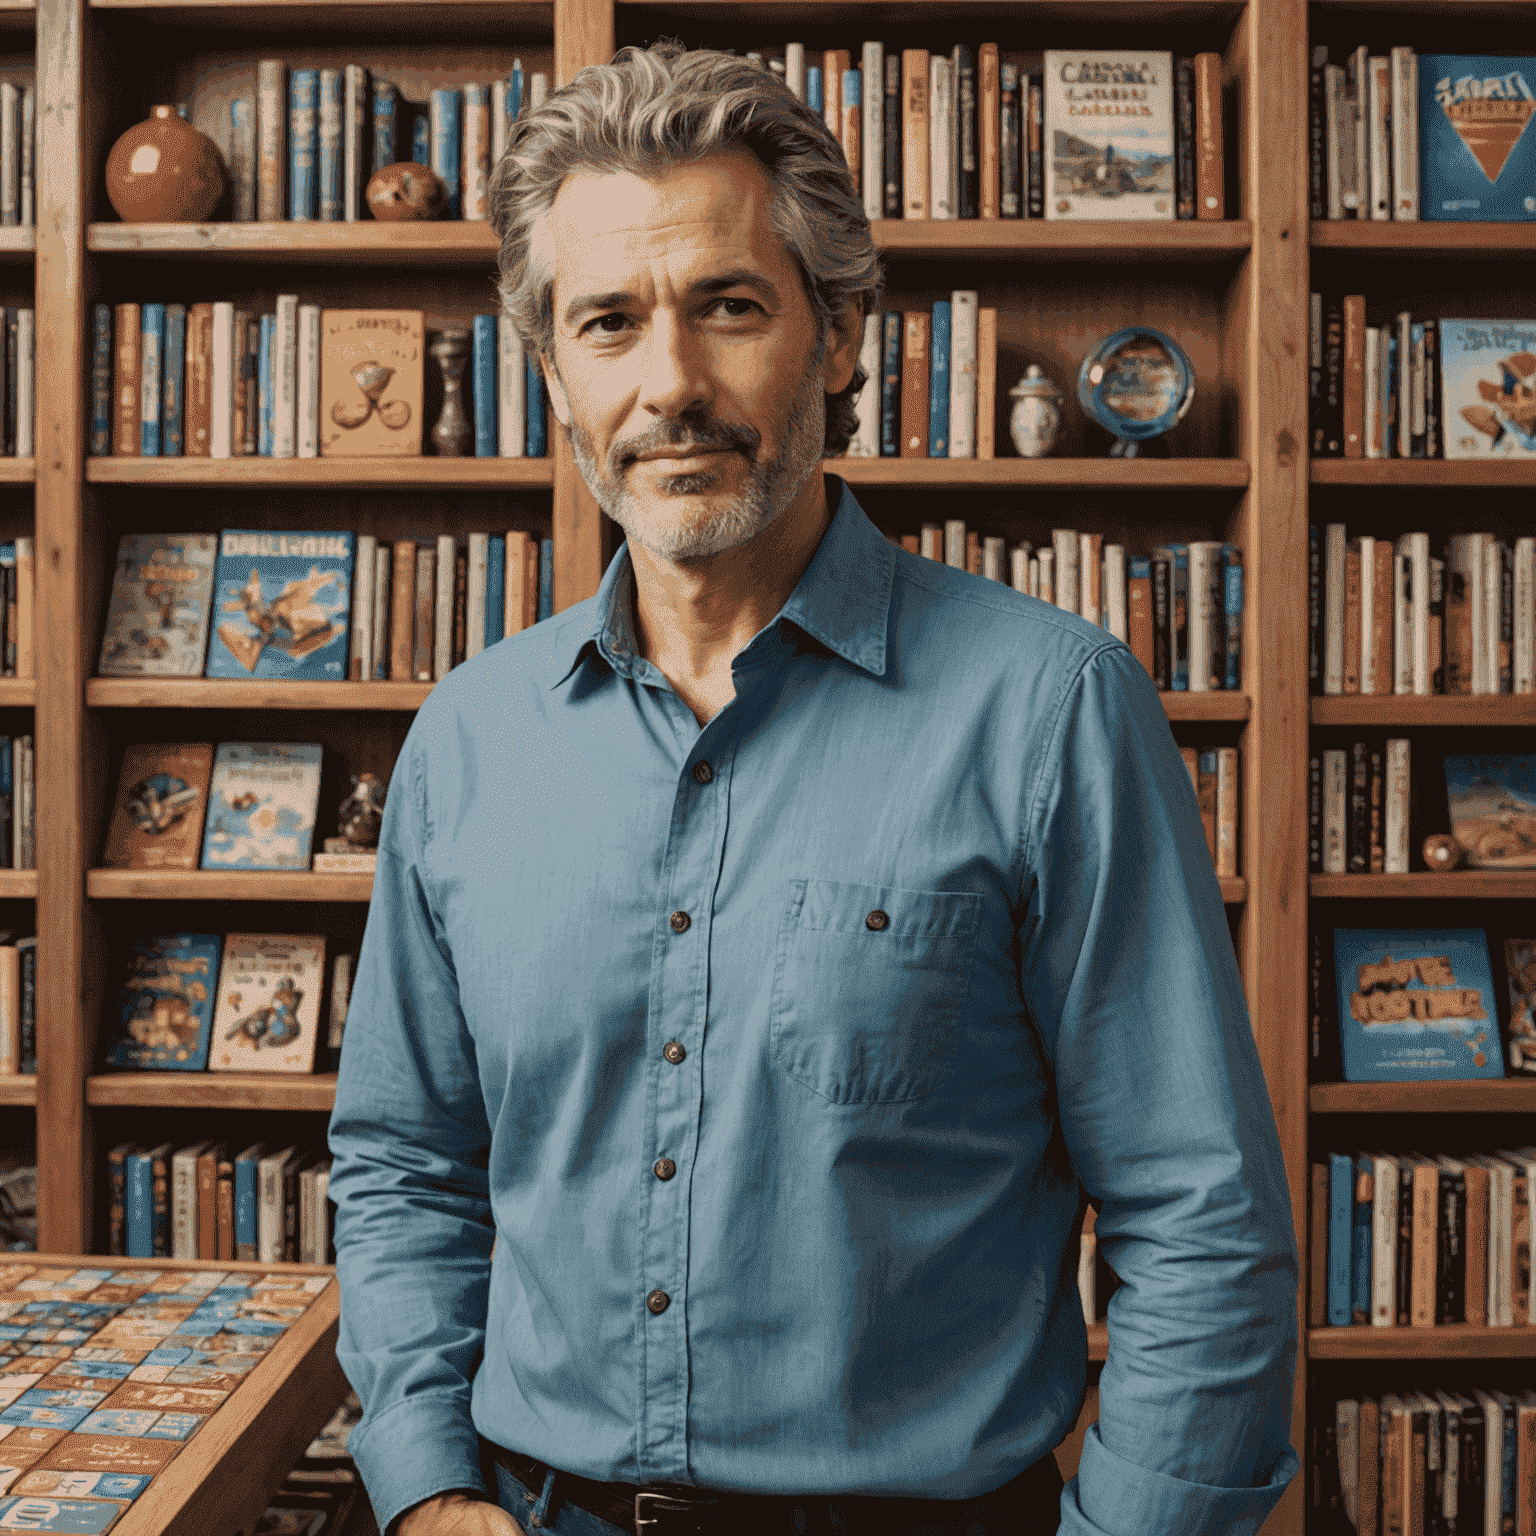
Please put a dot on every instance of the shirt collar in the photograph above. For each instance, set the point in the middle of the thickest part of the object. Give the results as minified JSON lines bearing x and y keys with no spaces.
{"x":843,"y":599}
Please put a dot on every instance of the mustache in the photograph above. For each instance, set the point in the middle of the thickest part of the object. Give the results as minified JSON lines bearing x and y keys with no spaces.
{"x":684,"y":438}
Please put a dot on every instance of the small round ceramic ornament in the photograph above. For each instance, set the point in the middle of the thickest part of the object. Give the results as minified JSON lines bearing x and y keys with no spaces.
{"x":1136,"y":383}
{"x":406,"y":191}
{"x":1442,"y":851}
{"x":163,"y":171}
{"x":1036,"y":416}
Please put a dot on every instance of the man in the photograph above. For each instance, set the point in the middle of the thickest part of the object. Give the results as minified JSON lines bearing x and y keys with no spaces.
{"x":770,"y":957}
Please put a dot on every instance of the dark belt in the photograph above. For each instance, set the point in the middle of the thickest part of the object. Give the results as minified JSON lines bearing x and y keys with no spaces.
{"x":675,"y":1510}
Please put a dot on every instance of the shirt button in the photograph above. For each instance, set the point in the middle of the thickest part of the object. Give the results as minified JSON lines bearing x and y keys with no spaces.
{"x":702,"y":773}
{"x":664,"y":1168}
{"x":680,"y":922}
{"x":673,"y":1051}
{"x":658,"y":1302}
{"x":876,"y":920}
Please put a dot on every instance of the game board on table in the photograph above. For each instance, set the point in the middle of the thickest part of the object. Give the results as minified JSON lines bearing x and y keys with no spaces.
{"x":108,"y":1374}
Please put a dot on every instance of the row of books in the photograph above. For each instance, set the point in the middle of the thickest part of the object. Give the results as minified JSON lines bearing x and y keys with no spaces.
{"x":240,"y":1002}
{"x":1213,"y":772}
{"x":1357,"y":808}
{"x":306,"y":144}
{"x":18,"y":382}
{"x":199,"y":1202}
{"x":214,"y":381}
{"x":962,"y":135}
{"x":1421,"y":1005}
{"x":1417,"y":1241}
{"x":1400,"y":136}
{"x":1441,"y":1462}
{"x":18,"y":803}
{"x":1180,"y":609}
{"x":319,"y":606}
{"x":18,"y":1004}
{"x":18,"y":154}
{"x":1410,"y":389}
{"x":1387,"y":618}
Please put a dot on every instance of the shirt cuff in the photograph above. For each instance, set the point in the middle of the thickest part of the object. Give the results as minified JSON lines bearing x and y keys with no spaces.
{"x":1114,"y":1497}
{"x":419,"y":1447}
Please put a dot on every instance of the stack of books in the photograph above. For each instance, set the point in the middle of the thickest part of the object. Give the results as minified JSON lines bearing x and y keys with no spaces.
{"x":1358,"y":808}
{"x":18,"y":1005}
{"x":18,"y":154}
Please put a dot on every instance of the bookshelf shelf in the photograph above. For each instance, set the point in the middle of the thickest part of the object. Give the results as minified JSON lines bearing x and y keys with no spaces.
{"x":17,"y":692}
{"x":1514,"y":474}
{"x":1464,"y":885}
{"x":385,"y":18}
{"x":1234,"y":892}
{"x":1072,"y":474}
{"x":1449,"y":1341}
{"x":1499,"y":1096}
{"x":231,"y":693}
{"x":1436,"y":710}
{"x":1206,"y":706}
{"x":225,"y":885}
{"x":17,"y":471}
{"x":17,"y":244}
{"x":214,"y":1090}
{"x":1098,"y":1341}
{"x":18,"y":1090}
{"x":456,"y":243}
{"x":1097,"y":240}
{"x":18,"y":884}
{"x":1428,"y":239}
{"x":413,"y":473}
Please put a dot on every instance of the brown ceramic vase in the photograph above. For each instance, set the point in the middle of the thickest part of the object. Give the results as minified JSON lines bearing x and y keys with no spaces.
{"x":406,"y":191}
{"x":163,"y":171}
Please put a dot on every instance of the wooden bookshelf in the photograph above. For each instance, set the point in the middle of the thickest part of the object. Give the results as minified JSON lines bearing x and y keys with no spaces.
{"x":18,"y":1091}
{"x":15,"y":471}
{"x":1425,"y":240}
{"x":18,"y":884}
{"x":1453,"y":885}
{"x":1439,"y":710}
{"x":1427,"y":474}
{"x":448,"y":243}
{"x":1096,"y":240}
{"x":1040,"y":474}
{"x":1496,"y":1096}
{"x":17,"y":244}
{"x":17,"y":692}
{"x":1449,"y":1341}
{"x":413,"y":473}
{"x":231,"y":693}
{"x":225,"y":885}
{"x":214,"y":1090}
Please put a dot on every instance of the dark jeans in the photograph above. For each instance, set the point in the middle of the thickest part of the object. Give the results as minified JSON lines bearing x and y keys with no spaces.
{"x":1006,"y":1517}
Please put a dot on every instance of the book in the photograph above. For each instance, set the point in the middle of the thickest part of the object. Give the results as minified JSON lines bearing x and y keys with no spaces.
{"x":245,"y":1180}
{"x":125,"y":380}
{"x":1493,"y":808}
{"x":261,"y":805}
{"x":165,"y":1006}
{"x":1405,"y":133}
{"x":371,"y":382}
{"x":303,"y":144}
{"x":1415,"y":1005}
{"x":444,"y":114}
{"x":269,"y":1205}
{"x":173,"y":382}
{"x":424,"y":600}
{"x":271,"y":140}
{"x":157,"y":617}
{"x":330,"y":105}
{"x":152,"y":350}
{"x":1520,"y":964}
{"x":938,"y":381}
{"x":1210,"y":161}
{"x":307,"y":384}
{"x":511,"y":408}
{"x":184,"y":1200}
{"x":157,"y":816}
{"x":483,"y":369}
{"x":1487,"y":379}
{"x":914,"y":142}
{"x":1109,"y":132}
{"x":268,"y":1013}
{"x":403,"y":612}
{"x":914,"y":385}
{"x":282,"y":602}
{"x":198,"y":386}
{"x":206,"y":1235}
{"x":1476,"y":159}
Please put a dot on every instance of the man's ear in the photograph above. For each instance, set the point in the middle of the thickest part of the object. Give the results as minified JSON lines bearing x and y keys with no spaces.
{"x":844,"y":341}
{"x":556,"y":392}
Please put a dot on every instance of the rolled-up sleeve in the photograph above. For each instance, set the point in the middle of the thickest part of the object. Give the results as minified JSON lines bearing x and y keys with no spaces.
{"x":1129,"y":974}
{"x":410,"y":1142}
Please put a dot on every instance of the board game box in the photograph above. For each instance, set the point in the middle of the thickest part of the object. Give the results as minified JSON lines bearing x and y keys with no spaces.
{"x":157,"y":817}
{"x":1416,"y":1004}
{"x":268,"y":1015}
{"x":1477,"y":156}
{"x":1488,"y":388}
{"x":282,"y":603}
{"x":166,"y":1006}
{"x":261,"y":805}
{"x":1493,"y":808}
{"x":1520,"y":959}
{"x":157,"y":620}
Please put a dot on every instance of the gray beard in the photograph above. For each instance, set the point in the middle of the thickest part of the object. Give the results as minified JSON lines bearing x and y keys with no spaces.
{"x":770,"y":487}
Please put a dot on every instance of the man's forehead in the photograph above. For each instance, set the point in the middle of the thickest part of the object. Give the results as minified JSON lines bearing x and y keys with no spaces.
{"x":725,"y":196}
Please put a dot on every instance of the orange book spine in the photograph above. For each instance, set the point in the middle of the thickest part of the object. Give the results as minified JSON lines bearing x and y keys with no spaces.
{"x":199,"y":380}
{"x":531,"y":582}
{"x":973,"y":552}
{"x":986,"y":382}
{"x":1353,"y":381}
{"x":914,"y":385}
{"x":1418,"y":1470}
{"x":424,"y":633}
{"x":834,"y":63}
{"x":1138,"y":631}
{"x":911,"y":543}
{"x":1210,"y":162}
{"x":402,"y":612}
{"x":1394,"y":1466}
{"x":1426,"y":1211}
{"x":989,"y":117}
{"x":243,"y":389}
{"x":225,"y":1202}
{"x":914,"y":133}
{"x":1352,"y":617}
{"x":1368,"y":1476}
{"x":1475,"y":1242}
{"x":517,"y":564}
{"x":127,"y":362}
{"x":1317,"y":1241}
{"x":208,"y":1204}
{"x":1382,"y":604}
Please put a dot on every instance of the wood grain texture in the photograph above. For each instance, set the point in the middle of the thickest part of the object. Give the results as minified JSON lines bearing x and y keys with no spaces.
{"x":1501,"y":1096}
{"x":19,"y":883}
{"x":17,"y":693}
{"x":1444,"y":710}
{"x":232,"y":693}
{"x":17,"y":471}
{"x":225,"y":885}
{"x":447,"y":243}
{"x":1077,"y":474}
{"x":1467,"y":242}
{"x":214,"y":1090}
{"x":1449,"y":1341}
{"x":398,"y":474}
{"x":1436,"y":473}
{"x":1455,"y":885}
{"x":15,"y":1090}
{"x":1095,"y":240}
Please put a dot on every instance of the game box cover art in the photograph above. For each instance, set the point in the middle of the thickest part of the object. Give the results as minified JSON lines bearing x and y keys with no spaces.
{"x":157,"y":621}
{"x":1488,"y":386}
{"x":166,"y":1003}
{"x":261,"y":805}
{"x":268,"y":1016}
{"x":1493,"y":808}
{"x":1477,"y":154}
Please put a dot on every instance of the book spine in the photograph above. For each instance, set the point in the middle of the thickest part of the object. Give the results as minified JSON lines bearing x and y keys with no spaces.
{"x":478,"y":549}
{"x":852,"y":130}
{"x":381,"y":630}
{"x":1451,"y":1256}
{"x":1352,"y":617}
{"x":442,"y":609}
{"x":968,"y":128}
{"x":242,"y":395}
{"x":1090,"y":577}
{"x":26,"y":634}
{"x":1035,"y":123}
{"x":307,"y":382}
{"x":331,"y":116}
{"x":1384,"y":1244}
{"x":891,"y":151}
{"x":1395,"y":848}
{"x":247,"y":1199}
{"x":477,"y":152}
{"x":402,"y":645}
{"x":1231,"y":670}
{"x":102,"y":414}
{"x":1353,"y":376}
{"x":962,"y":373}
{"x":483,"y":372}
{"x":360,"y":651}
{"x":1178,"y":647}
{"x":10,"y":153}
{"x":872,"y":179}
{"x":1523,"y":618}
{"x":546,"y":578}
{"x":1405,"y":133}
{"x":534,"y":430}
{"x":1009,"y":161}
{"x":1226,"y":813}
{"x":1210,"y":161}
{"x":988,"y":118}
{"x":1065,"y":544}
{"x":495,"y":590}
{"x":353,"y":158}
{"x":271,"y":140}
{"x":266,"y":348}
{"x":1377,"y":807}
{"x":941,"y":113}
{"x":125,"y":386}
{"x":221,"y":382}
{"x":160,"y":1206}
{"x":1359,"y":793}
{"x":1184,"y":137}
{"x":27,"y":212}
{"x":420,"y":120}
{"x":1340,"y":1172}
{"x":1162,"y":621}
{"x":117,"y":1202}
{"x":1335,"y":811}
{"x":285,"y":367}
{"x":224,"y":1202}
{"x":152,"y":344}
{"x":303,"y":134}
{"x":986,"y":382}
{"x":183,"y":1207}
{"x":938,"y":380}
{"x":914,"y":134}
{"x":1138,"y":614}
{"x":1317,"y":138}
{"x":139,"y":1217}
{"x":424,"y":634}
{"x":386,"y":104}
{"x":1373,"y":402}
{"x":1379,"y":135}
{"x":511,"y":408}
{"x":1435,"y":641}
{"x":834,"y":64}
{"x":890,"y":387}
{"x":460,"y":608}
{"x":1433,"y":447}
{"x":1506,"y":637}
{"x":914,"y":385}
{"x":1475,"y":1293}
{"x":1114,"y":590}
{"x":173,"y":367}
{"x":1416,"y":395}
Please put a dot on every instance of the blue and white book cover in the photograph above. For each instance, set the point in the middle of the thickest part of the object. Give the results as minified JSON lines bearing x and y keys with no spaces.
{"x":1488,"y":388}
{"x":1416,"y":1004}
{"x":261,"y":805}
{"x":281,"y":605}
{"x":1493,"y":808}
{"x":1477,"y":156}
{"x":157,"y":620}
{"x":165,"y":1009}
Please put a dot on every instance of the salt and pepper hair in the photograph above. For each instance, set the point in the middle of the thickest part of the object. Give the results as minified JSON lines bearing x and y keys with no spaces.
{"x":664,"y":106}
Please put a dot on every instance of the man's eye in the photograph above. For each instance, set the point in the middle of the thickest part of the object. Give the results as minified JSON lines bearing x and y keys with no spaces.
{"x":748,"y":305}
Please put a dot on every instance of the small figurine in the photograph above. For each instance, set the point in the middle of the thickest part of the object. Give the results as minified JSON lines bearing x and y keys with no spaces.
{"x":1442,"y":851}
{"x":362,"y":812}
{"x":406,"y":191}
{"x":1036,"y":417}
{"x":453,"y":433}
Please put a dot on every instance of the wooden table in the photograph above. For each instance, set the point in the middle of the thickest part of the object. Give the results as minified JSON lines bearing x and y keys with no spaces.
{"x":222,"y":1477}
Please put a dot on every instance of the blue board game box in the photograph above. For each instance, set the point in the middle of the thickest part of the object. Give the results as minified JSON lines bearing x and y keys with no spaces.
{"x":1477,"y":157}
{"x":1488,"y":388}
{"x":281,"y":603}
{"x":166,"y":1007}
{"x":1493,"y":808}
{"x":1416,"y":1004}
{"x":261,"y":805}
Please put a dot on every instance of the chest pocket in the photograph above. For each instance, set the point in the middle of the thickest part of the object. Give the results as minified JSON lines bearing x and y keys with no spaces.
{"x":869,"y":982}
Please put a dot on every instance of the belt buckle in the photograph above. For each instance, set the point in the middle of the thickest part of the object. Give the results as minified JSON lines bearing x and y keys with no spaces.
{"x":651,"y":1510}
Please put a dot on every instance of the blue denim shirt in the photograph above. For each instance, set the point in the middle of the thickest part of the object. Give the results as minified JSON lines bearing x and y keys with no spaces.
{"x":913,"y":944}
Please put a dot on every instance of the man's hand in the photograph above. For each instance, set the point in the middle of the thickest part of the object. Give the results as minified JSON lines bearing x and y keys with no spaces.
{"x":457,"y":1514}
